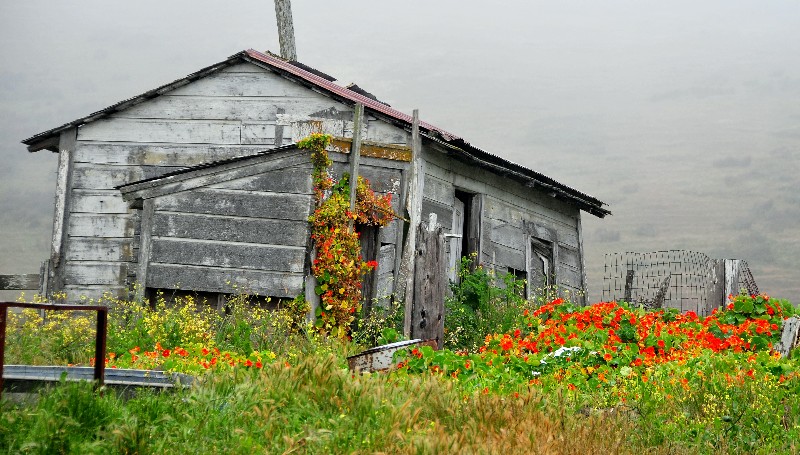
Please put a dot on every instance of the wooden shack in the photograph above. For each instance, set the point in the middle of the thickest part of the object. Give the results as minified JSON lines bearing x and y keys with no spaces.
{"x":196,"y":185}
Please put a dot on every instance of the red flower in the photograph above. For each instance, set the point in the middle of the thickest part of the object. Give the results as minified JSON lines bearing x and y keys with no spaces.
{"x":248,"y":363}
{"x":165,"y":353}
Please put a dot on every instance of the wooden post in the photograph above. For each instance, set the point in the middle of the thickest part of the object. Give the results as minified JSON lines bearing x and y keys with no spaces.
{"x":24,"y":282}
{"x":66,"y":158}
{"x":790,"y":337}
{"x":145,"y":244}
{"x":355,"y":154}
{"x":283,"y":13}
{"x":661,"y":294}
{"x":628,"y":286}
{"x":732,"y":270}
{"x":715,"y":293}
{"x":414,"y":208}
{"x":427,"y":319}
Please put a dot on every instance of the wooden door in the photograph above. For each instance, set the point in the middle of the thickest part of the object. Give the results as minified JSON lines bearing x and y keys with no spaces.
{"x":455,"y":240}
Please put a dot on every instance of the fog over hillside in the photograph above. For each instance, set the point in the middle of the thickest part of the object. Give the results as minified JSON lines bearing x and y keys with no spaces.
{"x":682,"y":116}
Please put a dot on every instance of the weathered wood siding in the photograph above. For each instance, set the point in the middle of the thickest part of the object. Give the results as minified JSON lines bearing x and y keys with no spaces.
{"x":246,"y":234}
{"x":386,"y":177}
{"x":237,"y":111}
{"x":510,"y":215}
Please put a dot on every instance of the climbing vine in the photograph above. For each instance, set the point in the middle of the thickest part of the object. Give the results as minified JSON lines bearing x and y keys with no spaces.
{"x":338,"y":266}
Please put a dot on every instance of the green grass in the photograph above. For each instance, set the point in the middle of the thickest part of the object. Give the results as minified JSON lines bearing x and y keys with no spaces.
{"x":316,"y":406}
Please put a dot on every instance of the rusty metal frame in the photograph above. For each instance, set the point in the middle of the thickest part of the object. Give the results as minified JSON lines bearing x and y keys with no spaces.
{"x":100,"y":336}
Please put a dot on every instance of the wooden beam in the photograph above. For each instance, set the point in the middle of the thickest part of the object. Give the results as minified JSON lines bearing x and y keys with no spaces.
{"x":414,"y":207}
{"x":358,"y":114}
{"x":429,"y":284}
{"x":283,"y":14}
{"x":66,"y":159}
{"x":629,"y":286}
{"x":373,"y":149}
{"x":24,"y":282}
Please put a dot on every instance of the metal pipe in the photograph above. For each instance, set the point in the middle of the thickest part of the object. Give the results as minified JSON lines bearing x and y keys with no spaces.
{"x":100,"y":336}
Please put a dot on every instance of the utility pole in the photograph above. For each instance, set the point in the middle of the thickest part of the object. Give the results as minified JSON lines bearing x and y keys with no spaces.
{"x":283,"y":13}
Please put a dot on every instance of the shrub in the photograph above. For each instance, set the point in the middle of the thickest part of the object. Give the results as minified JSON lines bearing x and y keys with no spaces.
{"x":479,"y":306}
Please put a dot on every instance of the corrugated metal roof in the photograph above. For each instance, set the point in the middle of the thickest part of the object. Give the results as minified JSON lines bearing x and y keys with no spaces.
{"x":312,"y":77}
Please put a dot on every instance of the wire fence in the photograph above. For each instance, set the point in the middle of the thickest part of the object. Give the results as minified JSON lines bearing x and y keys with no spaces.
{"x":681,"y":279}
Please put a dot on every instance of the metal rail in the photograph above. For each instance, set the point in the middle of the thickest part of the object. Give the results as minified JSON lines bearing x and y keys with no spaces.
{"x":100,"y":336}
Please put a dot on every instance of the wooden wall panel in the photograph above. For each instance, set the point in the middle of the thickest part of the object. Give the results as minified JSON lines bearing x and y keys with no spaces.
{"x":295,"y":179}
{"x":100,"y":225}
{"x":227,"y":255}
{"x":238,"y":203}
{"x":97,"y":201}
{"x":105,"y":176}
{"x":231,"y":229}
{"x":210,"y":279}
{"x":102,"y":273}
{"x":100,"y":249}
{"x":181,"y":155}
{"x":162,"y":131}
{"x":240,"y":84}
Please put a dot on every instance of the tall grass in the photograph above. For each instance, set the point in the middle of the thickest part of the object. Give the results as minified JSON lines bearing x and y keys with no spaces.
{"x":314,"y":407}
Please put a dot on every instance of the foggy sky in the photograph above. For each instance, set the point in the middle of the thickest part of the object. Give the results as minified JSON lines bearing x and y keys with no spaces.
{"x":683,"y":116}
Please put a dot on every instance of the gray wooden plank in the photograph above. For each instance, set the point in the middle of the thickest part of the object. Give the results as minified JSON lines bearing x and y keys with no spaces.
{"x":497,"y":209}
{"x":206,"y":176}
{"x":470,"y":178}
{"x":295,"y":179}
{"x":382,"y":179}
{"x":504,"y":233}
{"x":101,"y":225}
{"x":262,"y":84}
{"x":241,"y":203}
{"x":380,"y":131}
{"x":568,"y":276}
{"x":100,"y":249}
{"x":19,"y":282}
{"x":98,"y":273}
{"x":205,"y":108}
{"x":103,"y":176}
{"x":388,"y":233}
{"x":439,"y":190}
{"x":444,"y":214}
{"x":227,"y":255}
{"x":569,"y":256}
{"x":501,"y":255}
{"x":258,"y":133}
{"x":93,"y":291}
{"x":66,"y":160}
{"x":230,"y":229}
{"x":211,"y":279}
{"x":386,"y":259}
{"x":137,"y":154}
{"x":156,"y":131}
{"x":97,"y":201}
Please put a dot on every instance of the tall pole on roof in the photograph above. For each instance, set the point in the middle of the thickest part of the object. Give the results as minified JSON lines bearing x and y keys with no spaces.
{"x":283,"y":12}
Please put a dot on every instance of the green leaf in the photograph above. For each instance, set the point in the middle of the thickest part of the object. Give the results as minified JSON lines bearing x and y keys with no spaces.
{"x":743,"y":306}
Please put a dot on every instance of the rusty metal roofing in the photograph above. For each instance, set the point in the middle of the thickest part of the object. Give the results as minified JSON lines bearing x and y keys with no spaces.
{"x":323,"y":82}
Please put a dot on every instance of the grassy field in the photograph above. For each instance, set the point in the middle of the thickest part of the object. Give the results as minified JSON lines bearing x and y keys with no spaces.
{"x":556,"y":378}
